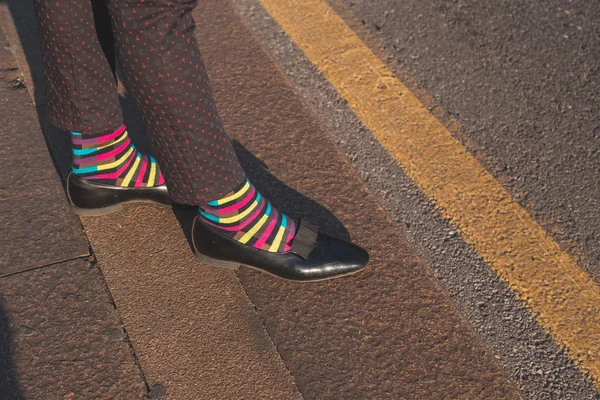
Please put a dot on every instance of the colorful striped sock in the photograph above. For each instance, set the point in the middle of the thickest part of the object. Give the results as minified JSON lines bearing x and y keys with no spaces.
{"x":111,"y":158}
{"x":244,"y":215}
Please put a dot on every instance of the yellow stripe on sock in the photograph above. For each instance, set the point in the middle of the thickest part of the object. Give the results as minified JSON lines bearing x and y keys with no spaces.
{"x":119,"y":140}
{"x":235,"y":195}
{"x":275,"y":246}
{"x":255,"y":228}
{"x":131,"y":171}
{"x":116,"y":163}
{"x":152,"y":174}
{"x":238,"y":217}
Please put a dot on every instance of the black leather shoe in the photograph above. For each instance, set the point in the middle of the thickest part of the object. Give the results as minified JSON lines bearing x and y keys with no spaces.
{"x":89,"y":198}
{"x":314,"y":256}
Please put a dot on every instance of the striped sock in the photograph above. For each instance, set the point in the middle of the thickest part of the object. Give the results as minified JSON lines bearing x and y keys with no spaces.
{"x":244,"y":215}
{"x":111,"y":158}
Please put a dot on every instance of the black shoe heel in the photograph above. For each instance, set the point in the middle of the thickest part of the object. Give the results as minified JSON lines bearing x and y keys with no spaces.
{"x":88,"y":198}
{"x":96,"y":212}
{"x":216,"y":263}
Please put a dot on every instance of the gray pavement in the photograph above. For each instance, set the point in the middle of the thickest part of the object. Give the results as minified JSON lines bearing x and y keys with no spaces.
{"x":50,"y":233}
{"x":60,"y":336}
{"x":520,"y":80}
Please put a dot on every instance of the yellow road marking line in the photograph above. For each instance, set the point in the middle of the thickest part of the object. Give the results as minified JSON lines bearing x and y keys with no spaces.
{"x":563,"y":298}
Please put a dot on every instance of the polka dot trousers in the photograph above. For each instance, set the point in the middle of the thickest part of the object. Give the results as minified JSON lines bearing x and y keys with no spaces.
{"x":161,"y":68}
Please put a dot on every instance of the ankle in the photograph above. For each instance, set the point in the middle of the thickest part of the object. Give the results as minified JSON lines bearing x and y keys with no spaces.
{"x":112,"y":158}
{"x":246,"y":216}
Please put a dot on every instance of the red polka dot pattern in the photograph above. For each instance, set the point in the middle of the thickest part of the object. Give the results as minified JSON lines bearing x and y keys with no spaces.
{"x":163,"y":70}
{"x":82,"y":93}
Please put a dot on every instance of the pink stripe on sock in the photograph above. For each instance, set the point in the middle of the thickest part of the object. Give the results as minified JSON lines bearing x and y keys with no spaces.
{"x":102,"y":156}
{"x":241,"y":226}
{"x":140,"y":178}
{"x":291,"y":234}
{"x":99,"y":139}
{"x":116,"y":174}
{"x":263,"y":239}
{"x":235,"y":206}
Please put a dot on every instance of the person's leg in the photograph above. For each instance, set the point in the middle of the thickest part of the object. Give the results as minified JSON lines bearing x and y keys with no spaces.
{"x":83,"y":99}
{"x":163,"y":69}
{"x":165,"y":74}
{"x":105,"y":33}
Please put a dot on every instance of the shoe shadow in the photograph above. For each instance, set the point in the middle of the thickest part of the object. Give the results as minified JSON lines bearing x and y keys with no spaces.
{"x":287,"y":200}
{"x":9,"y":384}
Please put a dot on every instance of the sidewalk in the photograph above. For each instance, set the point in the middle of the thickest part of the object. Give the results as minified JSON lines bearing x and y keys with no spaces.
{"x":59,"y":332}
{"x":203,"y":333}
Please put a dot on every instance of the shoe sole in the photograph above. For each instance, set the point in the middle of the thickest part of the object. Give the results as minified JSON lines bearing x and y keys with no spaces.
{"x":80,"y":185}
{"x":235,"y":266}
{"x":97,"y":212}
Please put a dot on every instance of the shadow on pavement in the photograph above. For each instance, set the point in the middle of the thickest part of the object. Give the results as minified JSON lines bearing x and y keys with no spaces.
{"x":9,"y":386}
{"x":278,"y":193}
{"x":286,"y":199}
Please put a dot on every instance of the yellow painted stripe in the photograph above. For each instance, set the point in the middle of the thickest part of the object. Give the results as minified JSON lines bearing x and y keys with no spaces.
{"x":131,"y":171}
{"x":248,"y":235}
{"x":116,"y":163}
{"x":152,"y":173}
{"x":234,"y":196}
{"x":561,"y":295}
{"x":275,"y":246}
